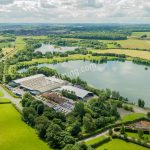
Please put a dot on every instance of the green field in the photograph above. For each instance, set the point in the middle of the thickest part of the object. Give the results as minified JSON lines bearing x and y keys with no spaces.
{"x":140,"y":34}
{"x":95,"y":140}
{"x":135,"y":135}
{"x":117,"y":144}
{"x":131,"y":53}
{"x":15,"y":134}
{"x":131,"y":43}
{"x":4,"y":100}
{"x":1,"y":94}
{"x":131,"y":117}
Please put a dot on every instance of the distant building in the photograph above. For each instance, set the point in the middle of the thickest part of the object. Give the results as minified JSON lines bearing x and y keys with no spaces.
{"x":38,"y":84}
{"x":80,"y":93}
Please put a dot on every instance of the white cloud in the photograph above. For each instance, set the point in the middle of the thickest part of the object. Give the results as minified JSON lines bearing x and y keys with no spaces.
{"x":137,"y":11}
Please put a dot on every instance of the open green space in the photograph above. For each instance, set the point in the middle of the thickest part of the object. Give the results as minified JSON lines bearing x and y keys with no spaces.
{"x":131,"y":53}
{"x":117,"y":144}
{"x":140,"y":33}
{"x":131,"y":117}
{"x":1,"y":94}
{"x":15,"y":134}
{"x":95,"y":140}
{"x":135,"y":135}
{"x":131,"y":43}
{"x":4,"y":100}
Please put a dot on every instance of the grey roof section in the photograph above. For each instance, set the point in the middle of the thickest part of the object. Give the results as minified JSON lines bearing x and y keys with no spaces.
{"x":79,"y":92}
{"x":40,"y":83}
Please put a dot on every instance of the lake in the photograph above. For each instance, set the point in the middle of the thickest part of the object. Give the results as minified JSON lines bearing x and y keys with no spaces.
{"x":131,"y":80}
{"x":52,"y":48}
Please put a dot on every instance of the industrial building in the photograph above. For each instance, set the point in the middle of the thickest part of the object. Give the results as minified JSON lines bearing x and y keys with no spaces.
{"x":80,"y":93}
{"x":38,"y":84}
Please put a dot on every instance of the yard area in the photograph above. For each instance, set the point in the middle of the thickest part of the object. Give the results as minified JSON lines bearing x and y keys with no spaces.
{"x":15,"y":134}
{"x":117,"y":144}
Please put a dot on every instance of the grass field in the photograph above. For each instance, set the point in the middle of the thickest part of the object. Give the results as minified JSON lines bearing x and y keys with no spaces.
{"x":4,"y":100}
{"x":140,"y":34}
{"x":15,"y":134}
{"x":132,"y":43}
{"x":95,"y":140}
{"x":117,"y":144}
{"x":135,"y":135}
{"x":131,"y":53}
{"x":131,"y":117}
{"x":1,"y":94}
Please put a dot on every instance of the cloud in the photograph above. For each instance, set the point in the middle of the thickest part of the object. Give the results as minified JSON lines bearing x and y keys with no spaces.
{"x":6,"y":2}
{"x":135,"y":11}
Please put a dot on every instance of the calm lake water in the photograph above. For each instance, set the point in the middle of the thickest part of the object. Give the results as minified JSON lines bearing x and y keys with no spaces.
{"x":130,"y":79}
{"x":51,"y":48}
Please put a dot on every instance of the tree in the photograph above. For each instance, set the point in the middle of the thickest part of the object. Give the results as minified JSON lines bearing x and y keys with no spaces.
{"x":40,"y":109}
{"x":140,"y":134}
{"x":148,"y":114}
{"x":41,"y":124}
{"x":141,"y":103}
{"x":57,"y":138}
{"x":29,"y":114}
{"x":75,"y":129}
{"x":88,"y":123}
{"x":122,"y":130}
{"x":79,"y":109}
{"x":110,"y":132}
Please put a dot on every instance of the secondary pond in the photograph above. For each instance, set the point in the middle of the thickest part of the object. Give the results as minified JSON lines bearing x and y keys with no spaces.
{"x":131,"y":80}
{"x":52,"y":48}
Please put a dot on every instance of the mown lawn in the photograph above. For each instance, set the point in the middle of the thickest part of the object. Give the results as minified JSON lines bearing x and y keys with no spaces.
{"x":4,"y":100}
{"x":131,"y":53}
{"x":135,"y":135}
{"x":132,"y":116}
{"x":117,"y":144}
{"x":95,"y":140}
{"x":15,"y":134}
{"x":1,"y":94}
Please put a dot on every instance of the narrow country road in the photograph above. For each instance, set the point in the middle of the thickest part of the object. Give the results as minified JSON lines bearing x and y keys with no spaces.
{"x":15,"y":101}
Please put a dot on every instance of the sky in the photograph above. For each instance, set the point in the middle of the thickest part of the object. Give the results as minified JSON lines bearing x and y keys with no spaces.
{"x":74,"y":11}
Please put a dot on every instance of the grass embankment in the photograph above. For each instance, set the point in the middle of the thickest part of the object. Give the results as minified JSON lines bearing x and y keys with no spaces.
{"x":117,"y":144}
{"x":131,"y":53}
{"x":15,"y":134}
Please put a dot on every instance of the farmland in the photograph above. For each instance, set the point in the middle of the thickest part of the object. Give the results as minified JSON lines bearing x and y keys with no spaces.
{"x":131,"y":53}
